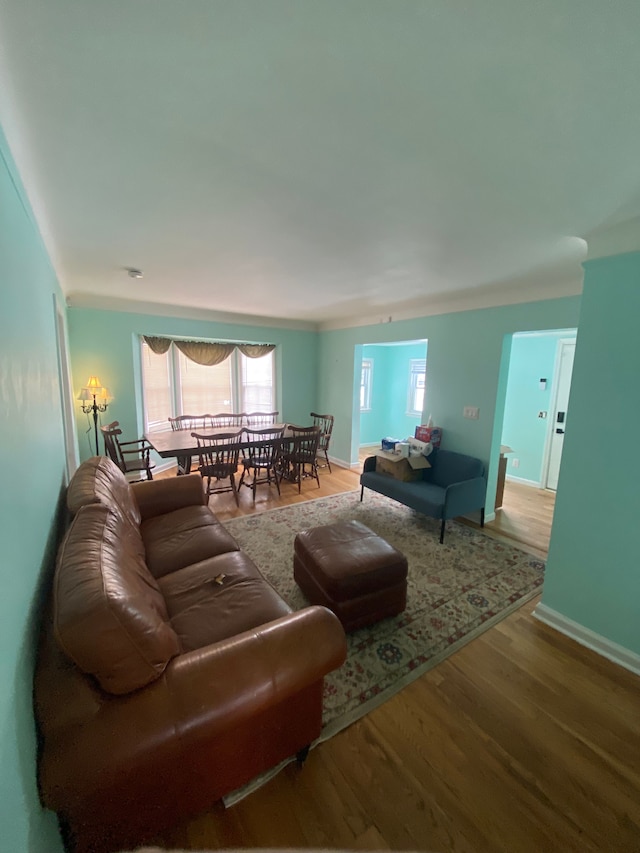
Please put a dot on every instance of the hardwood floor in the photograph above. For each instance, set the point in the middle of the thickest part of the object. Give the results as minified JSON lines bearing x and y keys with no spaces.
{"x":525,"y":517}
{"x":521,"y":741}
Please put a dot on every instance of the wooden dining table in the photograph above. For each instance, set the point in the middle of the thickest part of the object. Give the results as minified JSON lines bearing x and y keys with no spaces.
{"x":180,"y":442}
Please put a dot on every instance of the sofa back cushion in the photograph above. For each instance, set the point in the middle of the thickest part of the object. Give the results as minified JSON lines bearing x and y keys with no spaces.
{"x":448,"y":467}
{"x":99,"y":481}
{"x":110,"y":617}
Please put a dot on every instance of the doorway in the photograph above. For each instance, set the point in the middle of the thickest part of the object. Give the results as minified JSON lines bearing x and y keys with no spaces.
{"x":536,"y":404}
{"x":392,"y":391}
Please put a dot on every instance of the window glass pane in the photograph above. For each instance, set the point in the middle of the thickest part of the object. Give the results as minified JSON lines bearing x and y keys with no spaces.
{"x":256,"y":393}
{"x":156,"y":379}
{"x":365,"y":383}
{"x":204,"y":389}
{"x":417,"y":386}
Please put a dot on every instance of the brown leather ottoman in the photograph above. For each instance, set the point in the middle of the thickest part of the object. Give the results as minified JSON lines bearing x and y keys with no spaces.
{"x":352,"y":571}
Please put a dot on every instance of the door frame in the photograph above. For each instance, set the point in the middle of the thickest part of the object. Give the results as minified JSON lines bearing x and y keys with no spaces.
{"x":546,"y":458}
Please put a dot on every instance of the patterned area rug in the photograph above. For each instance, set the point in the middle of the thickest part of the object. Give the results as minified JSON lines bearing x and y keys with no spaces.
{"x":455,"y":592}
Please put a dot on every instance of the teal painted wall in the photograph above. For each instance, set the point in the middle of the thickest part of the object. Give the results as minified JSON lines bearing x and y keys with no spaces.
{"x":388,"y":415}
{"x":32,"y":460}
{"x":467,"y":366}
{"x":532,"y":357}
{"x":593,"y":574}
{"x":106,"y":343}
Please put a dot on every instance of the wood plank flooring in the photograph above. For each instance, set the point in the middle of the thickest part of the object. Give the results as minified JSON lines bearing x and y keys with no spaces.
{"x":521,"y":741}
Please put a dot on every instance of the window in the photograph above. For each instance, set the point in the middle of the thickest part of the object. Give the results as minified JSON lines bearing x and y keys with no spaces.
{"x":417,"y":386}
{"x":365,"y":384}
{"x":174,"y":385}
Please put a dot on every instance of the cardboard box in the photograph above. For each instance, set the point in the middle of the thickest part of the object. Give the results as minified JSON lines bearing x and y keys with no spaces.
{"x":399,"y":467}
{"x":429,"y":434}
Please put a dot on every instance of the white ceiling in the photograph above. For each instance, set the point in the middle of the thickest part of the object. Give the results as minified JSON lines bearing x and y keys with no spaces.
{"x":320,"y":160}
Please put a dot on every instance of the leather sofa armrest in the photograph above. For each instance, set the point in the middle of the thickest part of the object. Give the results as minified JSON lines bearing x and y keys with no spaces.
{"x":255,"y":669}
{"x":157,"y":497}
{"x":200,"y":696}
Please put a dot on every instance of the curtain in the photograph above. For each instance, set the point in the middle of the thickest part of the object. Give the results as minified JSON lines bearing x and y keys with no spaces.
{"x":207,"y":352}
{"x":157,"y":345}
{"x":255,"y":350}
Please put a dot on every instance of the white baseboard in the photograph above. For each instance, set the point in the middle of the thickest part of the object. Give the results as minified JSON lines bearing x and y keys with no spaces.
{"x":526,"y":482}
{"x":586,"y":637}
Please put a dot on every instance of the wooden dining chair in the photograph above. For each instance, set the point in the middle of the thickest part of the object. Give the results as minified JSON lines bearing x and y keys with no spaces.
{"x":325,"y":425}
{"x":186,"y":422}
{"x":260,"y":459}
{"x":298,"y":458}
{"x":256,"y":420}
{"x":131,"y":457}
{"x":218,"y":461}
{"x":224,"y":419}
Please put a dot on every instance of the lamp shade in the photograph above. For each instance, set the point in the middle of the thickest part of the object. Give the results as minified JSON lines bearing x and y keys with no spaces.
{"x":84,"y":394}
{"x":94,"y":384}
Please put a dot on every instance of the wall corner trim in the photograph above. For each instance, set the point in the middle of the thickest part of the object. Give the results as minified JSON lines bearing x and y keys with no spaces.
{"x":586,"y":637}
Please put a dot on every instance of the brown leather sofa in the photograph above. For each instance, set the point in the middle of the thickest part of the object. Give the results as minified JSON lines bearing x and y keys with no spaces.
{"x":169,"y":672}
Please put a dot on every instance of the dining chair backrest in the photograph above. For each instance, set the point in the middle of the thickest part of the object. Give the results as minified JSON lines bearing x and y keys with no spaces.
{"x":131,"y":457}
{"x":299,"y":451}
{"x":260,"y":419}
{"x":224,"y":419}
{"x":218,"y":460}
{"x":263,"y":446}
{"x":261,"y":456}
{"x":110,"y":434}
{"x":219,"y":451}
{"x":188,"y":422}
{"x":325,"y":425}
{"x":262,"y":442}
{"x":305,"y":440}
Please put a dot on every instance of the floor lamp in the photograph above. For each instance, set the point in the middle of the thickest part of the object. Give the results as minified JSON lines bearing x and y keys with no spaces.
{"x":89,"y":395}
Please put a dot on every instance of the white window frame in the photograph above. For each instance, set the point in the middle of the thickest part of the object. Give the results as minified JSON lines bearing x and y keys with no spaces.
{"x":175,"y":390}
{"x":366,"y":382}
{"x":417,"y":382}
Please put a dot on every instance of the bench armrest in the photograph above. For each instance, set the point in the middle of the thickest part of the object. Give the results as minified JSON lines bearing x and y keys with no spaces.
{"x":465,"y":496}
{"x":369,"y":464}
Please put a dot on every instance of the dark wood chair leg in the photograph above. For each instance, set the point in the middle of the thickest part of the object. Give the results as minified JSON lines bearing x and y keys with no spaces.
{"x":442,"y":532}
{"x":482,"y":517}
{"x":361,"y":493}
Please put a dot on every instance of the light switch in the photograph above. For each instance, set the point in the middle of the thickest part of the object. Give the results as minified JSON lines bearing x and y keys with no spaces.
{"x":471,"y":412}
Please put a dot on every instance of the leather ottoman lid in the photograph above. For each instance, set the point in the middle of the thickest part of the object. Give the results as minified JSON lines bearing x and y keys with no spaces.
{"x":348,"y":559}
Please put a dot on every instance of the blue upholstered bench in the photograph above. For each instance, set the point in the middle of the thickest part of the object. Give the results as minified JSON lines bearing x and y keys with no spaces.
{"x":454,"y":485}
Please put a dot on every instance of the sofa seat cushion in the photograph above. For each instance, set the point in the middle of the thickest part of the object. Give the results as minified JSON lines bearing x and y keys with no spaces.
{"x":424,"y":497}
{"x":99,"y":481}
{"x":182,"y":537}
{"x":219,"y":598}
{"x":109,"y":615}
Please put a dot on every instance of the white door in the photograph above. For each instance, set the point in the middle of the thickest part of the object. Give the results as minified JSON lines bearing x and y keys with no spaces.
{"x":559,"y":413}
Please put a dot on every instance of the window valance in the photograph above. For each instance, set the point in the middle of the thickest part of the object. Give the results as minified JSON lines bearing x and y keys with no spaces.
{"x":206,"y":352}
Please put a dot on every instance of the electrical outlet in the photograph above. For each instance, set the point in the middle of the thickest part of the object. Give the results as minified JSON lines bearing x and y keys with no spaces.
{"x":542,"y":415}
{"x":515,"y":463}
{"x":471,"y":412}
